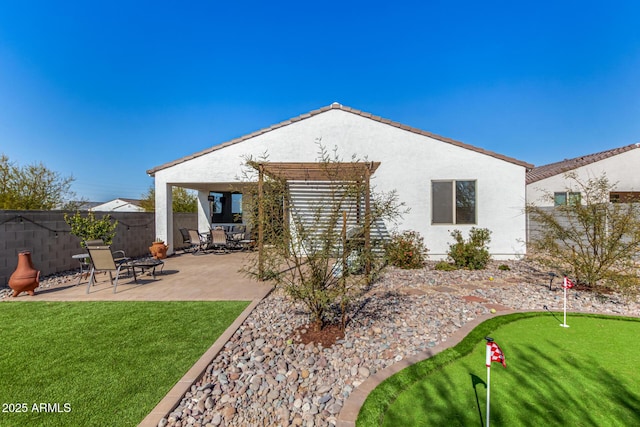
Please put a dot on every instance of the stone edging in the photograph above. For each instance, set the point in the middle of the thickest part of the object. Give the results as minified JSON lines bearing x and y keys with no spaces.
{"x":176,"y":394}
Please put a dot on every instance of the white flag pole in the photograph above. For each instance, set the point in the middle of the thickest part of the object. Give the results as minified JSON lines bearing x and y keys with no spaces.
{"x":488,"y":363}
{"x":564,"y":286}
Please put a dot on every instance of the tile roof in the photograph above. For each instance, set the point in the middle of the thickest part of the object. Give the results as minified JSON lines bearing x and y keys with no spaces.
{"x":337,"y":106}
{"x":546,"y":171}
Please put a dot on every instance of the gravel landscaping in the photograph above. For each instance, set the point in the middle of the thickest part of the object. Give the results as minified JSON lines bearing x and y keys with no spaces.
{"x":262,"y":378}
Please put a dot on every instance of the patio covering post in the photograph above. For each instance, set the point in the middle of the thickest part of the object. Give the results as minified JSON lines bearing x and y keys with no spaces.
{"x":260,"y":222}
{"x":367,"y":220}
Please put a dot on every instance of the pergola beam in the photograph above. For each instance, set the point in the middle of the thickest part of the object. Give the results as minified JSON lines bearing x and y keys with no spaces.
{"x":310,"y":171}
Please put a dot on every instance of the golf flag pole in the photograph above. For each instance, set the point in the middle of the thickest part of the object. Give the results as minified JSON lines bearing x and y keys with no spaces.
{"x":566,"y":284}
{"x":488,"y":363}
{"x":494,"y":354}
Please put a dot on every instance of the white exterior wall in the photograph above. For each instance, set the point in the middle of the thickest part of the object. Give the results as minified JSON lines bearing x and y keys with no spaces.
{"x":621,"y":169}
{"x":409,"y":162}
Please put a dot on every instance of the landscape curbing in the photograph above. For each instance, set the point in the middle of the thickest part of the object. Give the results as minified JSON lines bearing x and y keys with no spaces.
{"x":176,"y":394}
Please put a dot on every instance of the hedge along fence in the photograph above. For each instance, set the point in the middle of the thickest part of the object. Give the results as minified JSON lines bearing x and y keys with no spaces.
{"x":47,"y":236}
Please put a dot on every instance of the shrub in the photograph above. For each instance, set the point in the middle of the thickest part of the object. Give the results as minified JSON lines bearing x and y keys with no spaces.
{"x":504,"y":267}
{"x":445,"y":266}
{"x":90,"y":228}
{"x":406,"y":250}
{"x":473,"y":253}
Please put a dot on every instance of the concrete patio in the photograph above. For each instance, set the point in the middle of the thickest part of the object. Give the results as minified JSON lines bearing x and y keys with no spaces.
{"x":185,"y":277}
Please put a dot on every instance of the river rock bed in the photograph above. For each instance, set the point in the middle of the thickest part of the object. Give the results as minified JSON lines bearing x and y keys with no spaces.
{"x":263,"y":378}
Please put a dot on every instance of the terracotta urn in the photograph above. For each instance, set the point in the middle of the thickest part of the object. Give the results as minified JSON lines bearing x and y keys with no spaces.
{"x":158,"y":250}
{"x":25,"y":278}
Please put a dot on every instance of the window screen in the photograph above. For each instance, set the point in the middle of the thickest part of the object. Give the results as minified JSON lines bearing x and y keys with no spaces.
{"x":453,"y":202}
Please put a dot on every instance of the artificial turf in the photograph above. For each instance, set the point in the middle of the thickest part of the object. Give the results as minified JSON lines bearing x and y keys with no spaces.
{"x":99,"y":363}
{"x":584,"y":375}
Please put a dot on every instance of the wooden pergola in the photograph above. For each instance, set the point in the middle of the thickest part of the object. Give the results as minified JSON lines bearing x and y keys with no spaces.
{"x":318,"y":172}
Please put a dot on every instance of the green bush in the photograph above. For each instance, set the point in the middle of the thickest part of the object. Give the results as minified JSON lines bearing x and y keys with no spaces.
{"x":473,"y":253}
{"x":504,"y":267}
{"x":406,"y":250}
{"x":445,"y":266}
{"x":90,"y":228}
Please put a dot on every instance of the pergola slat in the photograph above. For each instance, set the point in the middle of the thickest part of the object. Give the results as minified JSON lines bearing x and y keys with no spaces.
{"x":316,"y":171}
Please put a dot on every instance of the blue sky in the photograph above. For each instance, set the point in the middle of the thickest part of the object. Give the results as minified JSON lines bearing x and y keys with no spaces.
{"x":104,"y":91}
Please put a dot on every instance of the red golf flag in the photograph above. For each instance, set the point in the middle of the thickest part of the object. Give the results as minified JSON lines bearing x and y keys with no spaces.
{"x":494,"y":354}
{"x":567,"y":284}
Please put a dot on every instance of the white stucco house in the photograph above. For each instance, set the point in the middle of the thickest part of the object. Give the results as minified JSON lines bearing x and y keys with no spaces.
{"x":619,"y":164}
{"x":446,"y":184}
{"x":119,"y":205}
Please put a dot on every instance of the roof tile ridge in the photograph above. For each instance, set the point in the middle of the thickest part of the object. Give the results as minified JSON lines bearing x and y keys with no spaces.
{"x":538,"y":173}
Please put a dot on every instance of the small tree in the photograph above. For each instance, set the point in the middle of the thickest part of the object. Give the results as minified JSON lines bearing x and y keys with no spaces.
{"x":183,"y":200}
{"x":34,"y":187}
{"x":473,"y":253}
{"x":91,"y":228}
{"x":313,"y":254}
{"x":593,"y":240}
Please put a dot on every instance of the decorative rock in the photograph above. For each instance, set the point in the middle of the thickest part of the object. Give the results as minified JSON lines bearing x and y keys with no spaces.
{"x":273,"y":395}
{"x":324,"y":399}
{"x":364,"y":372}
{"x":334,"y":408}
{"x":228,"y":412}
{"x":201,"y":405}
{"x":216,"y":420}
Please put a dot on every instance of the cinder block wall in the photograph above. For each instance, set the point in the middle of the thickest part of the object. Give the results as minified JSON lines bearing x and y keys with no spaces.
{"x":47,"y":236}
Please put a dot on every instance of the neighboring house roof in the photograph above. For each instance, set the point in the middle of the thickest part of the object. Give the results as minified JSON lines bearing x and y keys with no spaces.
{"x":85,"y":206}
{"x":547,"y":171}
{"x":136,"y":202}
{"x":336,"y":106}
{"x":118,"y":203}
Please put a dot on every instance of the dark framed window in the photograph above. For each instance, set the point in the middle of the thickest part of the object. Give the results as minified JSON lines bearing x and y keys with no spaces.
{"x":226,"y":207}
{"x":453,"y":202}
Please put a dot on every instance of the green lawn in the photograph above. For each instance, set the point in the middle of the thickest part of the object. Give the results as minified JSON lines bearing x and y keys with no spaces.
{"x":585,"y":375}
{"x":99,"y":363}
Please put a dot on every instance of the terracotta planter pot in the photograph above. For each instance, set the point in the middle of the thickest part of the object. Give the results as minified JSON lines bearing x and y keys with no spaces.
{"x":158,"y":250}
{"x":25,"y":278}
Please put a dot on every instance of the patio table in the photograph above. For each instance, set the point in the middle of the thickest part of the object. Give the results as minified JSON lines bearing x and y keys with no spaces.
{"x":146,"y":263}
{"x":85,"y":263}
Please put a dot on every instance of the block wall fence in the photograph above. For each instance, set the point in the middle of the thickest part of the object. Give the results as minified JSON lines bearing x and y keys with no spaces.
{"x":47,"y":236}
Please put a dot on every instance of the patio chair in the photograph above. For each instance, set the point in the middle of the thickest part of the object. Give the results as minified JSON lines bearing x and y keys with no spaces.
{"x":186,"y":240}
{"x":117,"y":255}
{"x":218,"y":242}
{"x":102,"y":259}
{"x":198,"y":241}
